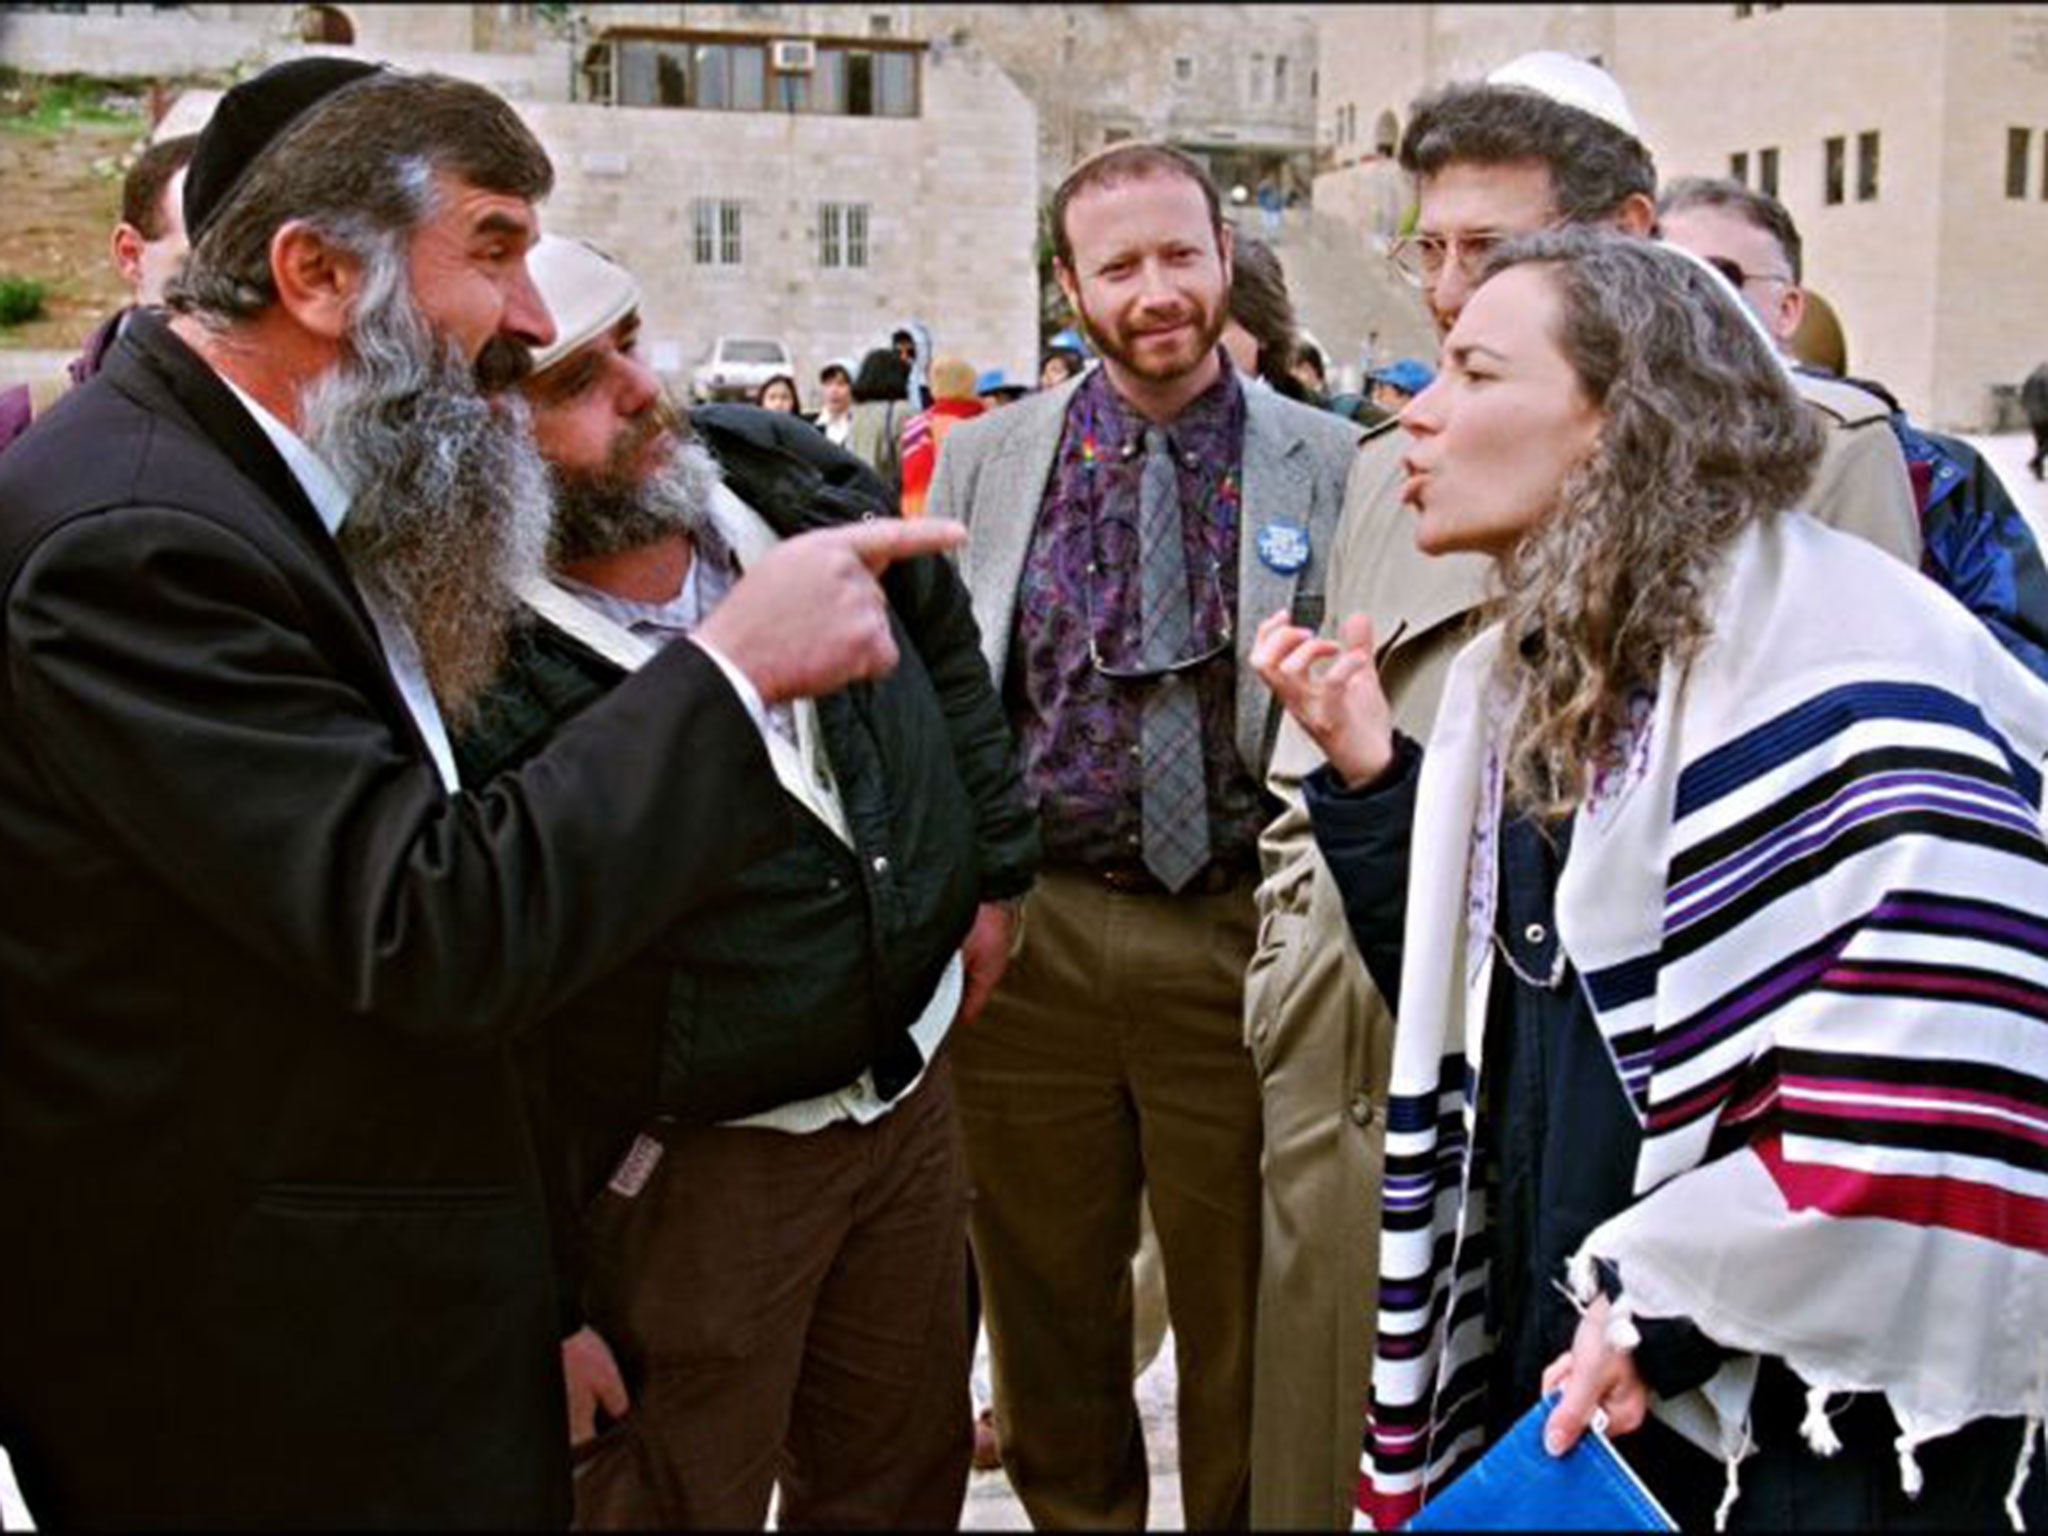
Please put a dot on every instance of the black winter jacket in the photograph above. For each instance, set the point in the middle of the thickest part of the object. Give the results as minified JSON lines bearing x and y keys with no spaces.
{"x":809,"y":966}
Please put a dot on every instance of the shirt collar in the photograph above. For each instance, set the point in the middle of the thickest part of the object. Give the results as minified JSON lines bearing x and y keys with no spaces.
{"x":323,"y":487}
{"x":1210,"y":409}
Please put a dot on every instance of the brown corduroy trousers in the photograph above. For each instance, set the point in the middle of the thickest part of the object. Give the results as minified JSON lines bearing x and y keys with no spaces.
{"x":787,"y":1309}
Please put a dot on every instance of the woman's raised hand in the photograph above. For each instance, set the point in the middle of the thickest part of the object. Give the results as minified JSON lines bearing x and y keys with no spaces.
{"x":1332,"y":689}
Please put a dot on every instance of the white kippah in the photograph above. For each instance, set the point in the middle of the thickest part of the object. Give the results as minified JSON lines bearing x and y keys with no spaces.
{"x":1572,"y":82}
{"x":585,"y":290}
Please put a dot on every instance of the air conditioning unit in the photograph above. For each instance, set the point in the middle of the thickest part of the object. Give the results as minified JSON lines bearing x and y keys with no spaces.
{"x":796,"y":55}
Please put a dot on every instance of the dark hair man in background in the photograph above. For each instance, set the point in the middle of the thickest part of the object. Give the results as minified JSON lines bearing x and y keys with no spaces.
{"x":148,"y":243}
{"x":1261,"y":334}
{"x":835,"y":403}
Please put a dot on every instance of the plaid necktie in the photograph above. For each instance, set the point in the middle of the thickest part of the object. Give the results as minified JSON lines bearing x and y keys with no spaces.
{"x":1173,"y":792}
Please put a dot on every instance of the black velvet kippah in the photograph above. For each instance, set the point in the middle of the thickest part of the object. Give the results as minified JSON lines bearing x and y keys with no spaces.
{"x":249,"y":118}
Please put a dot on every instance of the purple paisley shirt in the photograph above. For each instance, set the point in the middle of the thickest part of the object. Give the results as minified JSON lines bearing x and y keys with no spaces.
{"x":1077,"y":730}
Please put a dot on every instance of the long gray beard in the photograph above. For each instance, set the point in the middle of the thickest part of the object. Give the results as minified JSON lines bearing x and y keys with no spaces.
{"x":605,"y":514}
{"x":450,"y":506}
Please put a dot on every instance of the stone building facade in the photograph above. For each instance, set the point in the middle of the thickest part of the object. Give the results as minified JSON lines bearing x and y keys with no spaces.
{"x":1233,"y":84}
{"x":1909,"y":142}
{"x":823,"y":231}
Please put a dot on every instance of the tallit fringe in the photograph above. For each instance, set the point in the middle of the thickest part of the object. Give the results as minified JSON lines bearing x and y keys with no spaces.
{"x":1911,"y":1479}
{"x":1730,"y":1492}
{"x":1622,"y":1333}
{"x":1818,"y":1429}
{"x":1585,"y":1283}
{"x":2035,"y":1431}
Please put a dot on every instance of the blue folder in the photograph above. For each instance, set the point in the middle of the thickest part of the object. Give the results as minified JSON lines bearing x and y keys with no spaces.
{"x":1519,"y":1486}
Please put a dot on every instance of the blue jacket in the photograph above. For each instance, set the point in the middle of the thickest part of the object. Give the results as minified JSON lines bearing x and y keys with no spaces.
{"x":1976,"y":542}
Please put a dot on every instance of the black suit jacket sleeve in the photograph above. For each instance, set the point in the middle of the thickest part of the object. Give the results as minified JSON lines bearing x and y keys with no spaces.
{"x":1365,"y":836}
{"x":168,"y":692}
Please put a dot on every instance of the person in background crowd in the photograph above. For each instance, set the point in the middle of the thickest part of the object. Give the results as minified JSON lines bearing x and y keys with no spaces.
{"x":1976,"y":543}
{"x":779,"y":394}
{"x":879,"y":411}
{"x":1311,"y":374}
{"x":912,"y":342}
{"x":1260,"y":334}
{"x":835,"y":402}
{"x":1126,"y":530}
{"x":953,"y":401}
{"x":993,"y":387}
{"x":1270,"y":203}
{"x":2034,"y":402}
{"x":770,"y":1230}
{"x":1399,"y":382}
{"x":1546,"y":140}
{"x":261,"y":1110}
{"x":1057,"y":366}
{"x":147,"y":245}
{"x":1728,"y":1112}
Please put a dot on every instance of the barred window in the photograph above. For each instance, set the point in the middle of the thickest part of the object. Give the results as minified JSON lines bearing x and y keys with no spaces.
{"x":715,"y":232}
{"x":842,"y":234}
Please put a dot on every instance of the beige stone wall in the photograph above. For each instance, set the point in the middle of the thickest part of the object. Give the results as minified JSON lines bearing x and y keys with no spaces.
{"x":1091,"y":70}
{"x":1936,"y":280}
{"x":1991,"y":295}
{"x":1373,"y":61}
{"x":1705,"y":84}
{"x":413,"y":28}
{"x":951,"y":194}
{"x":1098,"y":70}
{"x":128,"y":47}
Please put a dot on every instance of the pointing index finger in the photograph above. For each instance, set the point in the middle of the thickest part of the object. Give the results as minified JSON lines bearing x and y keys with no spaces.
{"x":888,"y":539}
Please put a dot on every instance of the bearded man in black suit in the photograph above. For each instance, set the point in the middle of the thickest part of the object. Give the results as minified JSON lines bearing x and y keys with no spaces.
{"x":276,"y":1252}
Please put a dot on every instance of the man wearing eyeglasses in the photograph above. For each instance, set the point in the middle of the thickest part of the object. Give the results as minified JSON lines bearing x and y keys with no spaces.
{"x":1978,"y":544}
{"x":1546,"y":140}
{"x":1128,"y":531}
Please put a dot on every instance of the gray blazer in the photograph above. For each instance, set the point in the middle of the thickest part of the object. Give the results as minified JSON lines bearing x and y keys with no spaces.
{"x":993,"y":476}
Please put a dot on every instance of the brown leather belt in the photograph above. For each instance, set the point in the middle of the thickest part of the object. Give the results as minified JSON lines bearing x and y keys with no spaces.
{"x":1131,"y":878}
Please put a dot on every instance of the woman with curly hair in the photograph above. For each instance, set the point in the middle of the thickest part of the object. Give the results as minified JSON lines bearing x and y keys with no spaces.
{"x":1713,"y":919}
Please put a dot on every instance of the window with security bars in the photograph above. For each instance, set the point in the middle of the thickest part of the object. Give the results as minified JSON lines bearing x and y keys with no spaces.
{"x":722,"y":74}
{"x":1866,"y":167}
{"x":715,"y":232}
{"x":1837,"y":170}
{"x":842,"y":234}
{"x":1767,"y":172}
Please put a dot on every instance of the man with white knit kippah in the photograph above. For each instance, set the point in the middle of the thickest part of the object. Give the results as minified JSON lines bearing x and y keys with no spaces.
{"x":761,"y":1205}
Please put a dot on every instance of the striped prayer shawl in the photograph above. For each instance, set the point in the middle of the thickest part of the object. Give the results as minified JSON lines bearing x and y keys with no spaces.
{"x":1811,"y":922}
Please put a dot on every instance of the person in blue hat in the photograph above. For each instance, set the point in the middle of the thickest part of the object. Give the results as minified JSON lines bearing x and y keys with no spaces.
{"x":993,"y":387}
{"x":1399,"y":382}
